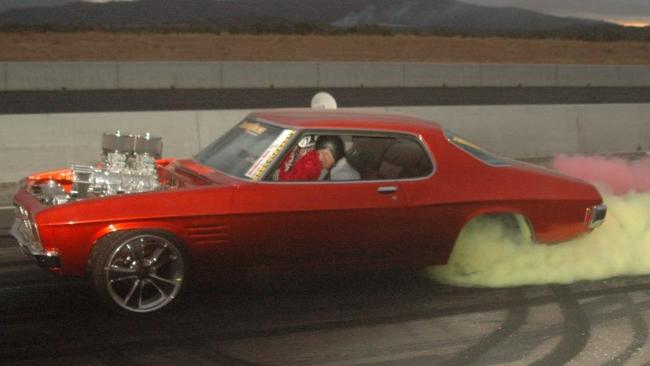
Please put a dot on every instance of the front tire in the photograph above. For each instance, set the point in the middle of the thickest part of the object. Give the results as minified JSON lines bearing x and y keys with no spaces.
{"x":139,"y":271}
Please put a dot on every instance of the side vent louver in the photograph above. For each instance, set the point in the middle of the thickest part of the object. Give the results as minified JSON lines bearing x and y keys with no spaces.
{"x":218,"y":234}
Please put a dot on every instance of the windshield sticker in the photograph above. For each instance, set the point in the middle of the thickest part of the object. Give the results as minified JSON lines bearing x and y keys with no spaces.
{"x":259,"y":168}
{"x":252,"y":128}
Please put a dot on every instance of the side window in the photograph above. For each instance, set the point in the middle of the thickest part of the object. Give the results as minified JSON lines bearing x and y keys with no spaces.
{"x":349,"y":156}
{"x":389,"y":157}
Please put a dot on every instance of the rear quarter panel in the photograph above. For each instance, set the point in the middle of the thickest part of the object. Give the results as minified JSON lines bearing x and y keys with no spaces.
{"x":463,"y":188}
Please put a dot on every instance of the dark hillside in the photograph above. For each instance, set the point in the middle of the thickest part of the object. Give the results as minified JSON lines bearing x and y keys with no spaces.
{"x":422,"y":15}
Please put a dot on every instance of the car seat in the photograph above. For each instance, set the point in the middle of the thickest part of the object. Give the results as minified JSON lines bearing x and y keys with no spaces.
{"x":405,"y":159}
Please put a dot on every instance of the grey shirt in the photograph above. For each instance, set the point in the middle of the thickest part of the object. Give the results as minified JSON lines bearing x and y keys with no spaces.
{"x":341,"y":171}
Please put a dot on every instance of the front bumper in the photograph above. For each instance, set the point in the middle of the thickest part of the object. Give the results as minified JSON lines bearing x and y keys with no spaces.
{"x":45,"y":259}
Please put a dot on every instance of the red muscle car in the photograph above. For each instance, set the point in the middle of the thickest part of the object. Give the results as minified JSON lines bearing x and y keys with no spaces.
{"x":138,"y":225}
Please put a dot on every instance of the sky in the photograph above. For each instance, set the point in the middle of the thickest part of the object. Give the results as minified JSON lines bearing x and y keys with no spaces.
{"x":626,"y":12}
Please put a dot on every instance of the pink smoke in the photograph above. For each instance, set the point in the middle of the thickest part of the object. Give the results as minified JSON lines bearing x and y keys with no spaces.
{"x":619,"y":175}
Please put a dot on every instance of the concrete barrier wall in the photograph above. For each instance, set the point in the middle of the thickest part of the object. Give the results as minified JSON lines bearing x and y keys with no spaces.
{"x":269,"y":75}
{"x":427,"y":75}
{"x":60,"y":75}
{"x":519,"y":75}
{"x":30,"y":143}
{"x":3,"y":76}
{"x":544,"y":131}
{"x":165,"y":75}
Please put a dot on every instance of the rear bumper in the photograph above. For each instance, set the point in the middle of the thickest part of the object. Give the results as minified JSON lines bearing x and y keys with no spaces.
{"x":45,"y":259}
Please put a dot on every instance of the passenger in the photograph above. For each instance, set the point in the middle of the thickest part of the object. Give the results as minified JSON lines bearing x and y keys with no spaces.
{"x":332,"y":156}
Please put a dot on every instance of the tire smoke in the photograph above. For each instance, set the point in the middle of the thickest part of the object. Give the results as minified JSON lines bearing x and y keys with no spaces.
{"x":616,"y":175}
{"x":484,"y":256}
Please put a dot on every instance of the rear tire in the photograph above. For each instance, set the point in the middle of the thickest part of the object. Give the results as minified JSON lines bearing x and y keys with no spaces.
{"x":512,"y":227}
{"x":515,"y":227}
{"x":138,"y":272}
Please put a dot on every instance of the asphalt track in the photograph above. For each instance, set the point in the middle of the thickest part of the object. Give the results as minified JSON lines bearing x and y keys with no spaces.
{"x":348,"y":319}
{"x":200,"y":99}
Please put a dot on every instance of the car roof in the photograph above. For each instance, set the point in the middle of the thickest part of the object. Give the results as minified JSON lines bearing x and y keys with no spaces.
{"x":340,"y":119}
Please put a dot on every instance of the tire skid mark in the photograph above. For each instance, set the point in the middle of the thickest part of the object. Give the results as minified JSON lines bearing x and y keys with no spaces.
{"x":199,"y":331}
{"x":378,"y":320}
{"x":529,"y":339}
{"x":516,"y":318}
{"x":517,"y":315}
{"x":596,"y":319}
{"x":353,"y":322}
{"x":619,"y":314}
{"x":630,"y":310}
{"x":639,"y":327}
{"x":576,"y":329}
{"x":196,"y":333}
{"x":411,"y":316}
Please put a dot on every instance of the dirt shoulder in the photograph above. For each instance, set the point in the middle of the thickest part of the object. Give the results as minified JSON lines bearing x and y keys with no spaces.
{"x":106,"y":46}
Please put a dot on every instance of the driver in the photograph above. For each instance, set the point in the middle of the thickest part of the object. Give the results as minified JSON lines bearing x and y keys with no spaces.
{"x":326,"y":161}
{"x":302,"y":163}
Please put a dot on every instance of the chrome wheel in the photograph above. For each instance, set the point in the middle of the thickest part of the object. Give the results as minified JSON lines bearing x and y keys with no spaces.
{"x":144,"y":273}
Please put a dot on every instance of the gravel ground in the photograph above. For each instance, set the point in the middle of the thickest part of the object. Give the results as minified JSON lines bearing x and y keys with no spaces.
{"x":110,"y":46}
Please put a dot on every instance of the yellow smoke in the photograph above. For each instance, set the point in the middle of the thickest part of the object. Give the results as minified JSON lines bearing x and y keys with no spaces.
{"x":484,"y":256}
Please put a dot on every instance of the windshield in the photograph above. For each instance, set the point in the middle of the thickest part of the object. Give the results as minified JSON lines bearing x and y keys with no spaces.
{"x":475,"y":150}
{"x":248,"y":150}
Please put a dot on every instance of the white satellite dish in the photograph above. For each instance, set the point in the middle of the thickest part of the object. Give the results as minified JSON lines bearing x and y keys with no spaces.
{"x":323,"y":100}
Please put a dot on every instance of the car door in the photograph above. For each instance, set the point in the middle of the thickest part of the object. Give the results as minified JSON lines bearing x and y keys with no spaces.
{"x":317,"y":223}
{"x":432,"y":191}
{"x":427,"y":220}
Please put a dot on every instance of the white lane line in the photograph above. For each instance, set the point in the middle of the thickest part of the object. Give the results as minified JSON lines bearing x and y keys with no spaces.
{"x":6,"y":207}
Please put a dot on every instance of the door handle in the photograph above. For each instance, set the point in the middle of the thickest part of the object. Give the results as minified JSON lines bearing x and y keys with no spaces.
{"x":387,"y":189}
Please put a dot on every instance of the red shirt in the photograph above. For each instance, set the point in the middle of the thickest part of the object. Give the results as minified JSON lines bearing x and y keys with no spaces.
{"x":307,"y":167}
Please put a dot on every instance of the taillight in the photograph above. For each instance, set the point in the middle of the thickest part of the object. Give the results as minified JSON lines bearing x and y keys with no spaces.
{"x":589,"y":214}
{"x":595,"y":216}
